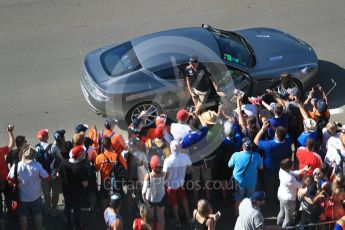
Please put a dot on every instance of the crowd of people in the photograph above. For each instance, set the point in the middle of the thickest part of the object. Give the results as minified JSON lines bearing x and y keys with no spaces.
{"x":273,"y":146}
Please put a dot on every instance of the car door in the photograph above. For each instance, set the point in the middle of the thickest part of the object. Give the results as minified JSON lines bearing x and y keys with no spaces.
{"x":229,"y":78}
{"x":175,"y":93}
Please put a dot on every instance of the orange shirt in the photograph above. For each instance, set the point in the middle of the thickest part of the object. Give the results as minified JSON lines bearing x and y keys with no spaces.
{"x":94,"y":136}
{"x":118,"y":144}
{"x":315,"y":114}
{"x":106,"y":161}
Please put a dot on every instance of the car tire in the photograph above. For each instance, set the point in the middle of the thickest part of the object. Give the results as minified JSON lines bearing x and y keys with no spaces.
{"x":294,"y":83}
{"x":153,"y":111}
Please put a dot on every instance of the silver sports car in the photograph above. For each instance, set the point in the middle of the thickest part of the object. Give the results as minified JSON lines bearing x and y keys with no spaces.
{"x":147,"y":73}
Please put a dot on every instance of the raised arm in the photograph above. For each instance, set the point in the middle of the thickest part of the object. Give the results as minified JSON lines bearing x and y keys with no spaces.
{"x":241,"y":119}
{"x":11,"y":142}
{"x":261,"y":132}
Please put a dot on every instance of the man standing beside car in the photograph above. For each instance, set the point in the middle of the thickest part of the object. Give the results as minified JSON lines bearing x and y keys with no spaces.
{"x":198,"y":81}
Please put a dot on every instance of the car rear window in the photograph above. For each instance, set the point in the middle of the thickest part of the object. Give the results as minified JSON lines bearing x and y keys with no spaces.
{"x":120,"y":60}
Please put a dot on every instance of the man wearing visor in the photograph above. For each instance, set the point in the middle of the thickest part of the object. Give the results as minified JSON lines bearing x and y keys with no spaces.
{"x":199,"y":81}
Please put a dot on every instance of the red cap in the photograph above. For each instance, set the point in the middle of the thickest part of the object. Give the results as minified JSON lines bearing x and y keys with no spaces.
{"x":160,"y":121}
{"x":77,"y":151}
{"x":159,"y":132}
{"x":42,"y":133}
{"x":155,"y":161}
{"x":182,"y":115}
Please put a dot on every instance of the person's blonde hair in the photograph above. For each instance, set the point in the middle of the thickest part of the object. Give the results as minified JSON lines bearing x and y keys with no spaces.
{"x":204,"y":208}
{"x":331,"y":127}
{"x":146,"y":213}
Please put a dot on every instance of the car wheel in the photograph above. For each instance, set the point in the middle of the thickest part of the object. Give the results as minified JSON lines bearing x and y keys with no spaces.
{"x":294,"y":83}
{"x":152,"y":111}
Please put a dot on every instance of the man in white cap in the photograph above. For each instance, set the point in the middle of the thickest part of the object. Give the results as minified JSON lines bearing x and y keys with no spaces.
{"x":175,"y":167}
{"x":30,"y":173}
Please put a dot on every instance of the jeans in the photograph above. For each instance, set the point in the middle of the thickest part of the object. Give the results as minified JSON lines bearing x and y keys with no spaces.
{"x":271,"y":184}
{"x":72,"y":202}
{"x":287,"y":208}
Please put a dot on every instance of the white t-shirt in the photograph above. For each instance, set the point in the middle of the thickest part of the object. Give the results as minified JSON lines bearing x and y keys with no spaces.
{"x":288,"y":185}
{"x":29,"y":176}
{"x":249,"y":217}
{"x":332,"y":155}
{"x":179,"y":131}
{"x":325,"y":137}
{"x":176,"y":165}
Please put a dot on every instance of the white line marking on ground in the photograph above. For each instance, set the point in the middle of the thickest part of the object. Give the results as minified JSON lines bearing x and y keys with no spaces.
{"x":336,"y":111}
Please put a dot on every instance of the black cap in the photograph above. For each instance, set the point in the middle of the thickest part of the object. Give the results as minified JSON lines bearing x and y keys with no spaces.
{"x":59,"y":135}
{"x":258,"y":196}
{"x":110,"y":122}
{"x":115,"y":200}
{"x":193,"y":59}
{"x":81,"y":128}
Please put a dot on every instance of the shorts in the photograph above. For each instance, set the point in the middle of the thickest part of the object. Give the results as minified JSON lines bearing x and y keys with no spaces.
{"x":162,"y":203}
{"x":199,"y":172}
{"x":200,"y":96}
{"x":175,"y":195}
{"x":34,"y":207}
{"x":242,"y":193}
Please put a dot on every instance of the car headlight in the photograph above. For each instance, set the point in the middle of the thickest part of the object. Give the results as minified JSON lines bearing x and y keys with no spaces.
{"x":98,"y":95}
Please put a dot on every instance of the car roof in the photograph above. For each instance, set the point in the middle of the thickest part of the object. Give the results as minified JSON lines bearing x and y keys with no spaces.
{"x":159,"y":50}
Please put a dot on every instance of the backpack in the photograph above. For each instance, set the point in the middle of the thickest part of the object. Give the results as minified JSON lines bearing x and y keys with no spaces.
{"x":101,"y":147}
{"x":154,"y":150}
{"x":295,"y":123}
{"x":118,"y":176}
{"x":44,"y":157}
{"x":321,"y":122}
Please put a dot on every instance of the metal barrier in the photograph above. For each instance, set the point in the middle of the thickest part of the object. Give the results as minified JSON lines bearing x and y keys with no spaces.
{"x":328,"y":225}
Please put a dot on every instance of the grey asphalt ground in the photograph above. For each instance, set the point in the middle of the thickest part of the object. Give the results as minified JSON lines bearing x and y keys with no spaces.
{"x":43,"y":43}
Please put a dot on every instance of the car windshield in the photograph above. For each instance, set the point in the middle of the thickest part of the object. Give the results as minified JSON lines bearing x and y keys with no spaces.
{"x":233,"y":49}
{"x":120,"y":60}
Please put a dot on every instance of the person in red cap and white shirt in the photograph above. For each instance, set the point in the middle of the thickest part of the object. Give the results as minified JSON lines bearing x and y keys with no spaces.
{"x":74,"y":179}
{"x":4,"y":169}
{"x":153,"y":190}
{"x":176,"y":167}
{"x":29,"y":174}
{"x":180,"y":129}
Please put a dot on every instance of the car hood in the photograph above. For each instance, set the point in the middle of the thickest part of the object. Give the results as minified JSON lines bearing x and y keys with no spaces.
{"x":276,"y":49}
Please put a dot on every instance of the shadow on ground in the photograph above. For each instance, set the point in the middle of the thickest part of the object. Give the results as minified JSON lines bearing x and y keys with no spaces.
{"x":327,"y":71}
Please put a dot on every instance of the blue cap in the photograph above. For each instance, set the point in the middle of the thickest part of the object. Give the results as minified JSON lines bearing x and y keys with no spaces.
{"x":258,"y":196}
{"x":246,"y":141}
{"x":321,"y":106}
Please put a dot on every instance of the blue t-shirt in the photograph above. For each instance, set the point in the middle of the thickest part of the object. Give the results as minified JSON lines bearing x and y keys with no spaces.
{"x":276,"y":122}
{"x":280,"y":121}
{"x":239,"y":161}
{"x":235,"y":142}
{"x":302,"y":139}
{"x":194,"y":137}
{"x":275,"y":152}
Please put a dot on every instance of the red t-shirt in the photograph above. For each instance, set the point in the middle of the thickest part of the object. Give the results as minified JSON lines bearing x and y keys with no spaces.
{"x":306,"y":157}
{"x":3,"y":166}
